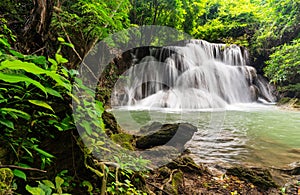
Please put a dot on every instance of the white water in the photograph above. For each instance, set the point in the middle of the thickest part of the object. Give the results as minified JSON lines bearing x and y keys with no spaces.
{"x":199,"y":75}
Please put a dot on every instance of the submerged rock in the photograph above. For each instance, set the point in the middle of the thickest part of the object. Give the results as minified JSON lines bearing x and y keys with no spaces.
{"x":158,"y":134}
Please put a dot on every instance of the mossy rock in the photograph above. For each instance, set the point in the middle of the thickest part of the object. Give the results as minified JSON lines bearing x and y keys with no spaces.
{"x":283,"y":100}
{"x":111,"y":125}
{"x":289,"y":102}
{"x":177,"y":180}
{"x":186,"y":164}
{"x":6,"y":177}
{"x":124,"y":140}
{"x":257,"y":176}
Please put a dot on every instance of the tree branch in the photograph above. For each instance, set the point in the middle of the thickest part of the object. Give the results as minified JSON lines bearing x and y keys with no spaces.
{"x":22,"y":168}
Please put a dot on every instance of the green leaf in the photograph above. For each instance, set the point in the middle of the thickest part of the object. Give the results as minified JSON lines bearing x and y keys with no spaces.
{"x":49,"y":184}
{"x":20,"y":174}
{"x":60,"y":59}
{"x":52,"y":61}
{"x":19,"y":113}
{"x":7,"y":123}
{"x":60,"y":39}
{"x":53,"y":92}
{"x":32,"y":68}
{"x":16,"y":54}
{"x":87,"y":184}
{"x":35,"y":190}
{"x":42,"y":152}
{"x":69,"y":45}
{"x":12,"y":78}
{"x":45,"y":188}
{"x":39,"y":60}
{"x":58,"y":182}
{"x":19,"y":65}
{"x":4,"y":42}
{"x":41,"y":104}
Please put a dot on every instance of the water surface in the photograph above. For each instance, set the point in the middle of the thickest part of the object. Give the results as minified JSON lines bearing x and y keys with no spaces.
{"x":250,"y":134}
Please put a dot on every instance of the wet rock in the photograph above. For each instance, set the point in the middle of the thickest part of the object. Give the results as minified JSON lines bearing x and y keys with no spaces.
{"x":257,"y":176}
{"x":254,"y":92}
{"x":157,"y":134}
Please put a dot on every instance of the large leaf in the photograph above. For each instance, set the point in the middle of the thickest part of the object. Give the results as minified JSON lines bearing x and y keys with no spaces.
{"x":34,"y":69}
{"x":41,"y":104}
{"x":35,"y":190}
{"x":7,"y":123}
{"x":20,"y":174}
{"x":19,"y":65}
{"x":11,"y":78}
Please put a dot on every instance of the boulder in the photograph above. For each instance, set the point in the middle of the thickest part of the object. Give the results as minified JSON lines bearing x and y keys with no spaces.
{"x":254,"y":92}
{"x":257,"y":176}
{"x":158,"y":134}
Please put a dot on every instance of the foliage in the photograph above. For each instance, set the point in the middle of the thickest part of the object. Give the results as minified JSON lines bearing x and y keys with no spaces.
{"x":158,"y":12}
{"x":283,"y":68}
{"x":279,"y":24}
{"x":31,"y":87}
{"x":224,"y":19}
{"x":46,"y":187}
{"x":84,"y":22}
{"x":211,"y":20}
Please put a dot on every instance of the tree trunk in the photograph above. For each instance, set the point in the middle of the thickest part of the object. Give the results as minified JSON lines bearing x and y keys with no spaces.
{"x":37,"y":27}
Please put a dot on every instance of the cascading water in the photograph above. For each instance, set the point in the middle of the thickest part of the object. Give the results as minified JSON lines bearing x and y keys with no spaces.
{"x":195,"y":76}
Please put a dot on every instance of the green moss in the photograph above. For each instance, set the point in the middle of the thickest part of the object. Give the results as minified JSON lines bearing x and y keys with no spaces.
{"x":6,"y":177}
{"x":123,"y":140}
{"x":289,"y":102}
{"x":177,"y":179}
{"x":283,"y":100}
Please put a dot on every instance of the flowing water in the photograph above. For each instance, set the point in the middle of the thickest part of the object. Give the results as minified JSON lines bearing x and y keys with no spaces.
{"x":211,"y":86}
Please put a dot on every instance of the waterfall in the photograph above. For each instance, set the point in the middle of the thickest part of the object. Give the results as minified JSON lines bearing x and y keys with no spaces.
{"x":194,"y":76}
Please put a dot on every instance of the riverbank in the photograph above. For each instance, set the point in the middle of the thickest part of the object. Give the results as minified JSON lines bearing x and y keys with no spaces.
{"x":183,"y":176}
{"x":287,"y":103}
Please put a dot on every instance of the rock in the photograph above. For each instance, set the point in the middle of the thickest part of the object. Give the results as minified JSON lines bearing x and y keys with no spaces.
{"x":186,"y":164}
{"x":175,"y":135}
{"x":124,"y":140}
{"x":254,"y":92}
{"x":174,"y":182}
{"x":257,"y":176}
{"x":111,"y":125}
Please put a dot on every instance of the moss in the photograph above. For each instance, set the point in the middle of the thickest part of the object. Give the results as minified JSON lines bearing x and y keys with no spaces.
{"x":289,"y":102}
{"x":283,"y":100}
{"x":177,"y":180}
{"x":111,"y":125}
{"x":124,"y":140}
{"x":6,"y":177}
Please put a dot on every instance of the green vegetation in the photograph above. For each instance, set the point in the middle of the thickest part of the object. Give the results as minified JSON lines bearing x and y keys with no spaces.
{"x":284,"y":65}
{"x":41,"y":45}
